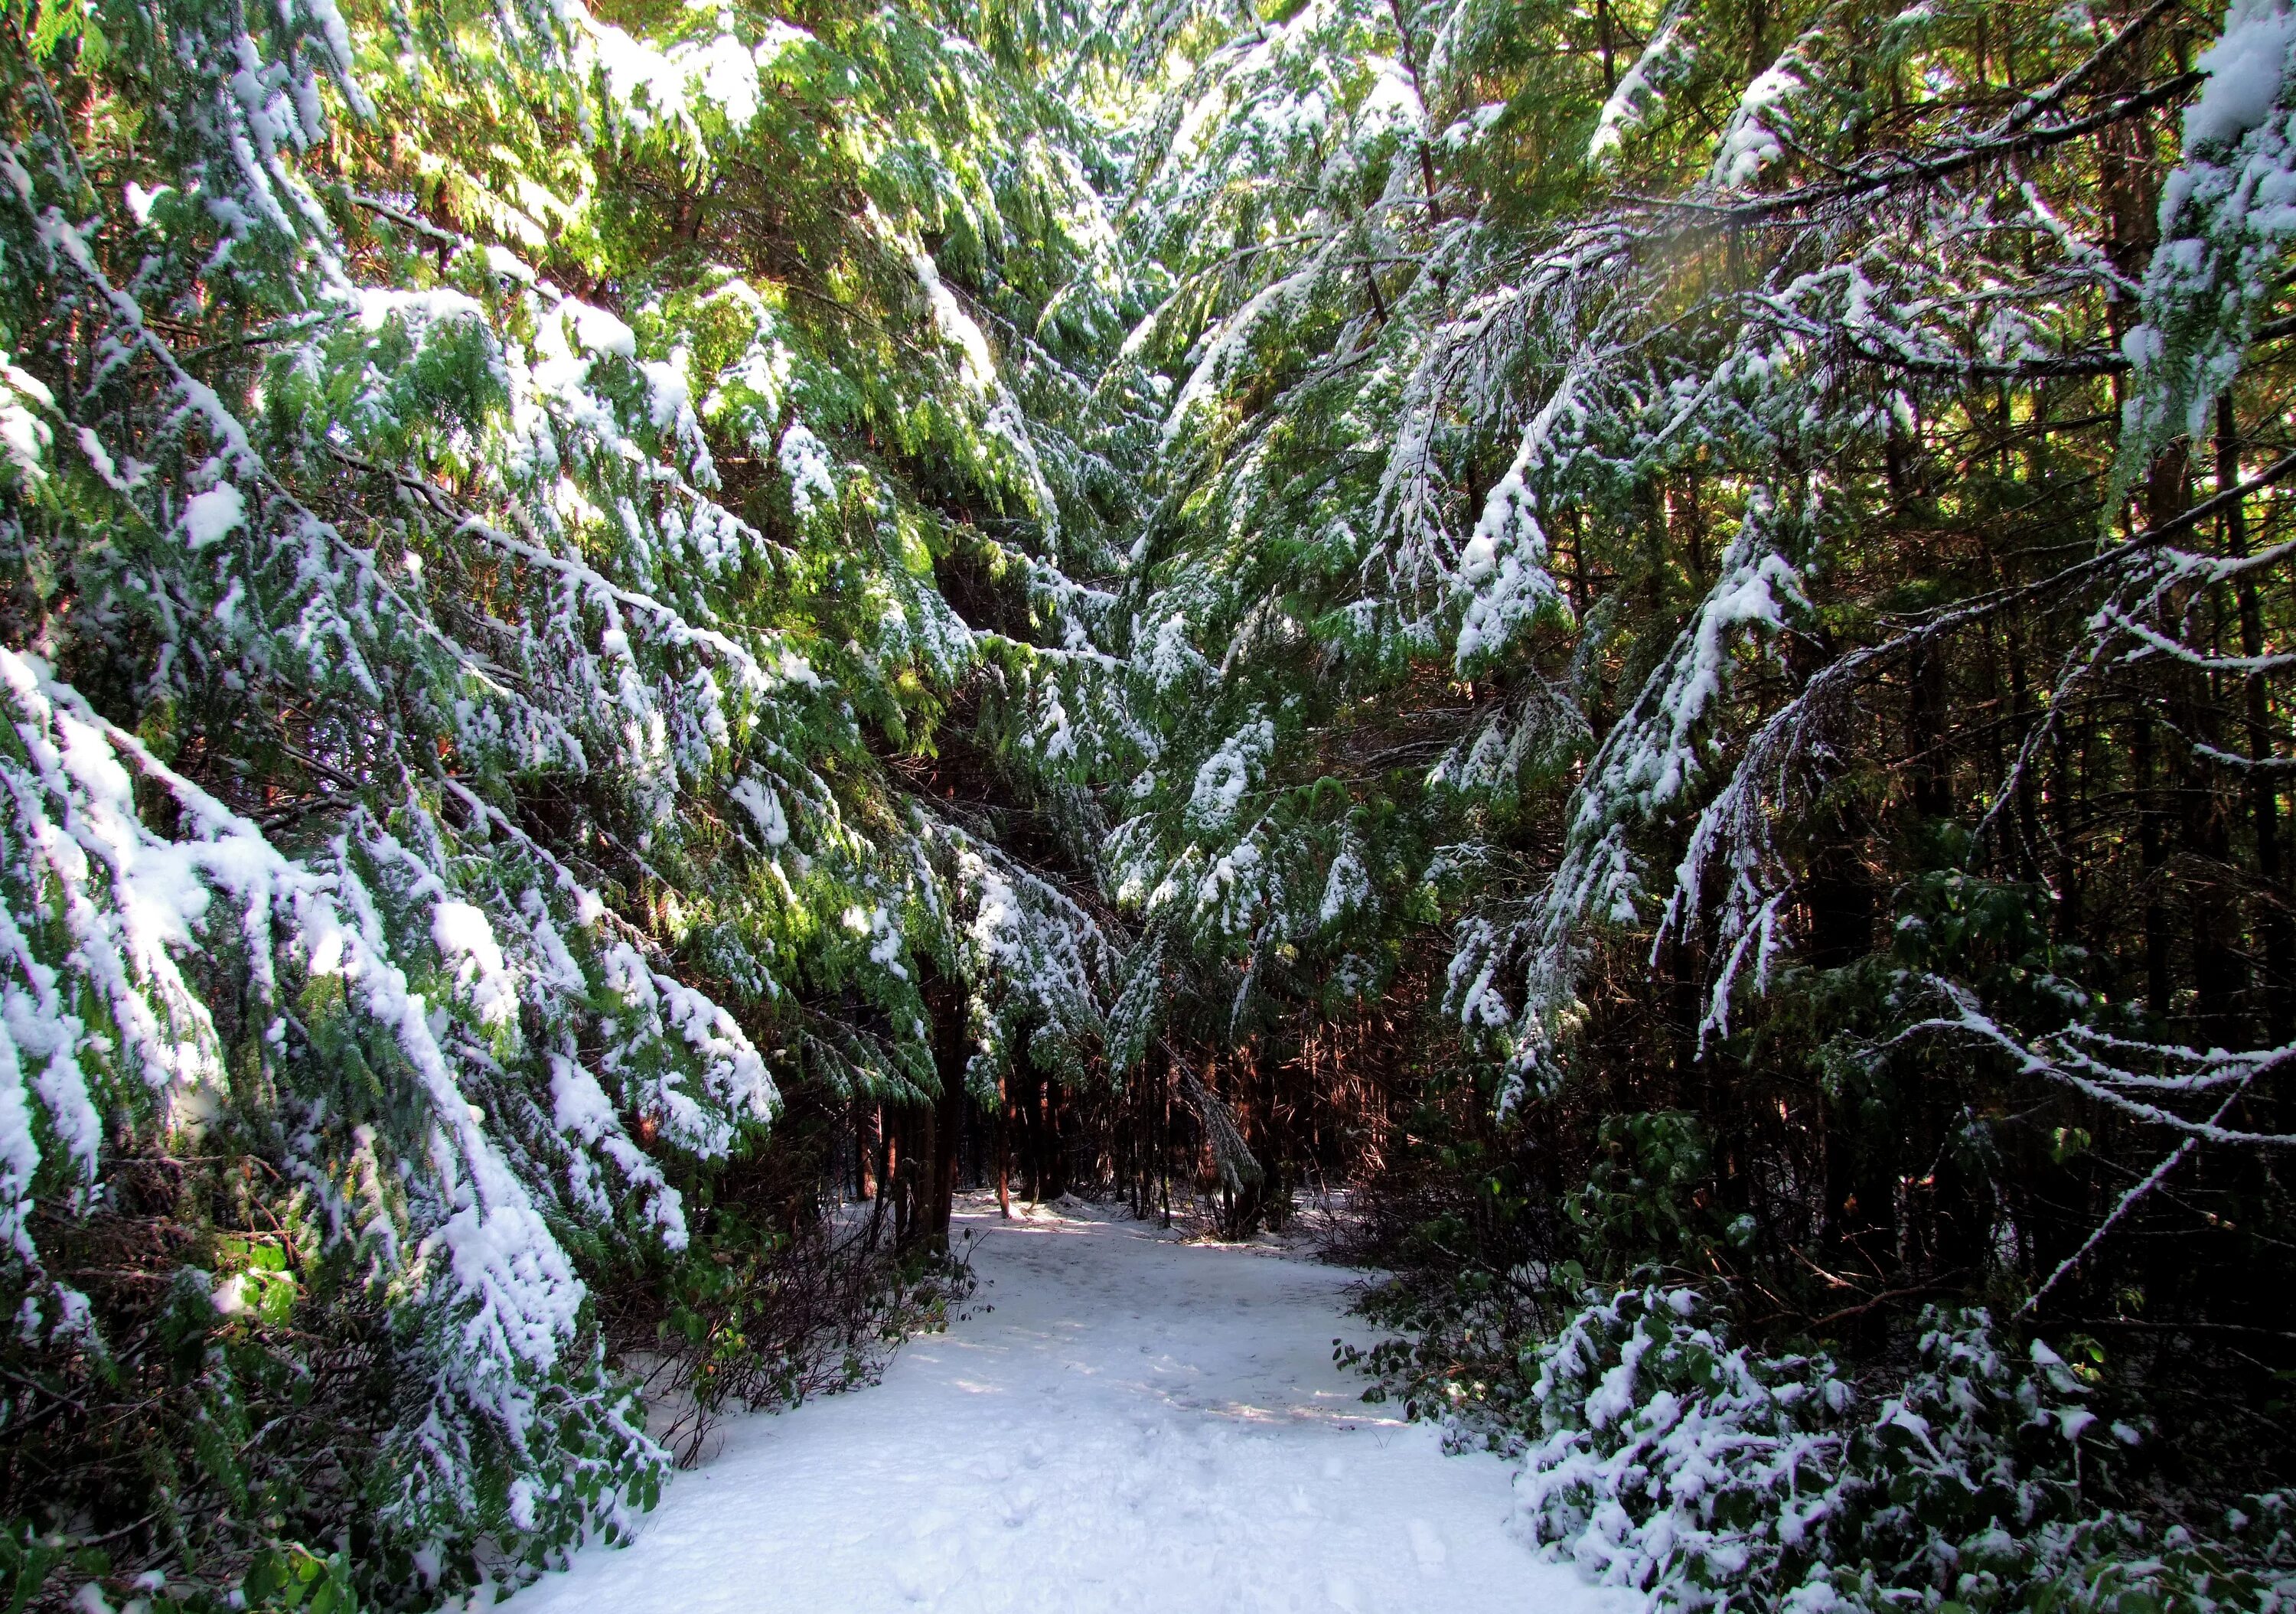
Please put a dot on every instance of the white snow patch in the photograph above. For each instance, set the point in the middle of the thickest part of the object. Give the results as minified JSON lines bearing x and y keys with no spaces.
{"x":651,"y":84}
{"x":764,"y":805}
{"x":1630,"y":102}
{"x":600,"y":330}
{"x":812,"y":475}
{"x":2244,"y":69}
{"x":1129,"y":1425}
{"x":209,"y":516}
{"x":468,"y":941}
{"x":1226,"y":774}
{"x":24,"y":434}
{"x":1347,"y":889}
{"x":1749,"y":144}
{"x":978,"y":365}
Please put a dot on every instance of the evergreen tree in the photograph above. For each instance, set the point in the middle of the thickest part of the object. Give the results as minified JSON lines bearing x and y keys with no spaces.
{"x":479,"y":491}
{"x":1666,"y":618}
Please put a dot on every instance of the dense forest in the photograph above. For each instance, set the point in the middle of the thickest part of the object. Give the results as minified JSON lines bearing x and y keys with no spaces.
{"x":1649,"y":642}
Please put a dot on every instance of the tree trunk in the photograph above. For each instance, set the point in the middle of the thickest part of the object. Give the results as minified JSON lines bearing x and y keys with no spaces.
{"x":1004,"y":1150}
{"x":1051,"y":1174}
{"x":1932,"y":788}
{"x":2158,"y":991}
{"x":868,"y":1131}
{"x":1025,"y":1113}
{"x":2264,"y":795}
{"x":898,"y":1172}
{"x":930,"y":1183}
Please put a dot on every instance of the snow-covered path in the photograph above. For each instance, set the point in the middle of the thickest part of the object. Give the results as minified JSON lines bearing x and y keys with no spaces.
{"x":1137,"y":1424}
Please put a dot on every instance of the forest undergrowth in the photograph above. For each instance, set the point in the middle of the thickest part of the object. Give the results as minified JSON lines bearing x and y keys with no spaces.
{"x":1654,"y":636}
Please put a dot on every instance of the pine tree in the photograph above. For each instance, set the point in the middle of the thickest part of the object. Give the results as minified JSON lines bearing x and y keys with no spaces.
{"x":1702,"y":585}
{"x":480,"y":488}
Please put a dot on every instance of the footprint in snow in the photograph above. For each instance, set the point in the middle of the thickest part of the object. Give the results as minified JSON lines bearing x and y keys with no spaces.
{"x":1428,"y":1548}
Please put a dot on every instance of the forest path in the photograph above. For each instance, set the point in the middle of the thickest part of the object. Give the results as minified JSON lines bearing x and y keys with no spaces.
{"x":1122,"y":1423}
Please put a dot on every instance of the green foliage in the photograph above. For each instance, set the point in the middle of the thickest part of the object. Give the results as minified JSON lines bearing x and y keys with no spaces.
{"x":569,"y":577}
{"x":1649,"y":1197}
{"x":761,"y":1320}
{"x":1663,"y":1457}
{"x":480,"y":486}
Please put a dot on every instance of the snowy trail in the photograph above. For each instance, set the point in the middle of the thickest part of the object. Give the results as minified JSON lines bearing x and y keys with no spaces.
{"x":1138,"y":1425}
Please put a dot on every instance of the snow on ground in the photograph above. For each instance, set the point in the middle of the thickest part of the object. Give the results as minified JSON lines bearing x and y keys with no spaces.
{"x":1123,"y":1421}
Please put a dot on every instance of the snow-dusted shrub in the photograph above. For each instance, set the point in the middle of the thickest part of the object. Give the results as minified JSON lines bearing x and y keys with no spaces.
{"x":1977,"y":1451}
{"x":2102,"y":1564}
{"x":1669,"y":1461}
{"x":769,"y":1319}
{"x":377,"y":1252}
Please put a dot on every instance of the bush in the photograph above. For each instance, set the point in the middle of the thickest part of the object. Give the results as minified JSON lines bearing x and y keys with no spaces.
{"x":1660,"y":1456}
{"x":1667,"y":1461}
{"x":762,"y":1319}
{"x":221,"y":1413}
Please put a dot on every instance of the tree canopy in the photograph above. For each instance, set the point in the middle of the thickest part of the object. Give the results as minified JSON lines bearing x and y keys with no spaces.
{"x":1660,"y":629}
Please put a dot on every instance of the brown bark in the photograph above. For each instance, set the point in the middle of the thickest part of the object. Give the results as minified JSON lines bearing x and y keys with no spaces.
{"x":893,"y":1178}
{"x":2165,"y":495}
{"x":1925,"y":710}
{"x":1004,"y":1150}
{"x":2264,"y":796}
{"x":2158,"y":989}
{"x":928,"y":1187}
{"x":868,"y":1135}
